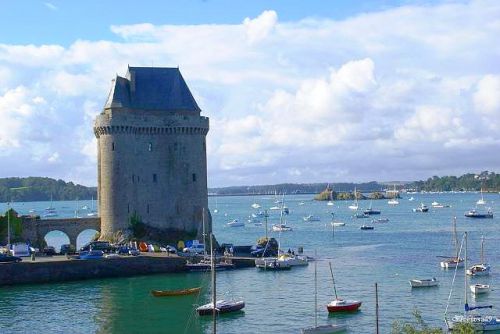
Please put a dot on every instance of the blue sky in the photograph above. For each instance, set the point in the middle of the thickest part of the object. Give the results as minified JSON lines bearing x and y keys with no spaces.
{"x":296,"y":91}
{"x":63,"y":22}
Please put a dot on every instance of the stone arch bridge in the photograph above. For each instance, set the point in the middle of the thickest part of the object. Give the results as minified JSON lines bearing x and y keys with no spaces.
{"x":35,"y":230}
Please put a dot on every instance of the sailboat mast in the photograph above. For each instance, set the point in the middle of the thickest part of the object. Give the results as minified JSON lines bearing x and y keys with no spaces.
{"x":333,"y":279}
{"x":455,"y":239}
{"x":315,"y":291}
{"x":204,"y":235}
{"x":214,"y":285}
{"x":465,"y":276}
{"x":482,"y":249}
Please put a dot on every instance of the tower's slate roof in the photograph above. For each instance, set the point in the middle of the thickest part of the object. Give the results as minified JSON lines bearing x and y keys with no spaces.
{"x":152,"y":88}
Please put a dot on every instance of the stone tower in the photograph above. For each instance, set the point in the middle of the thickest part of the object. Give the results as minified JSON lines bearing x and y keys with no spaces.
{"x":152,"y":154}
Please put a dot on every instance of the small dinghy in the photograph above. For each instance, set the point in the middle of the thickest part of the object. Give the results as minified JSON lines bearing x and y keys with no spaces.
{"x":168,"y":293}
{"x":221,"y":306}
{"x":479,"y":288}
{"x":423,"y":283}
{"x":325,"y":329}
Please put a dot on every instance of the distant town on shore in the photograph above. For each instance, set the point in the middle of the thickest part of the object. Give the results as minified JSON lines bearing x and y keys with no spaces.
{"x":25,"y":189}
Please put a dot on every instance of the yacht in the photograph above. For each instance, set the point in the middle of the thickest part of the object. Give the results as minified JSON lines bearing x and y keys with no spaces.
{"x":421,"y":208}
{"x":481,"y":201}
{"x":235,"y":223}
{"x":482,"y":268}
{"x":355,"y":205}
{"x":476,"y":214}
{"x":394,"y":200}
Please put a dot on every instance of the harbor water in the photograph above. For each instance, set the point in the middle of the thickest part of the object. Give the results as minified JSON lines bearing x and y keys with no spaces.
{"x":406,"y":247}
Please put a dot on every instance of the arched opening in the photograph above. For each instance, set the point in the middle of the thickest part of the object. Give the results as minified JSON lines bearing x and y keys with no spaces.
{"x":56,"y":239}
{"x":85,"y":237}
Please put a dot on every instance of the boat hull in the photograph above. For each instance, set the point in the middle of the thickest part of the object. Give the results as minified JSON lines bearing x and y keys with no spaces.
{"x":348,"y":307}
{"x":222,"y":307}
{"x":168,"y":293}
{"x":425,"y":283}
{"x":325,"y":329}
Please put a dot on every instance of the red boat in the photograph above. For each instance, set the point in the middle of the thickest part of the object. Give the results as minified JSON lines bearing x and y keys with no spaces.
{"x":339,"y":304}
{"x":342,"y":305}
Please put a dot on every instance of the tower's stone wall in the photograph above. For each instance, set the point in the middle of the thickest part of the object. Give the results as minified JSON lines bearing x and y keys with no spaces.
{"x":152,"y":163}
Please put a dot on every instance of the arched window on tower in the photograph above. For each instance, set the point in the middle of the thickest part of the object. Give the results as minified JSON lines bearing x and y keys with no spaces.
{"x":112,"y":146}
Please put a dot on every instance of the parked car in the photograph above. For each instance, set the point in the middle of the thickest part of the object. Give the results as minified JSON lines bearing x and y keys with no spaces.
{"x":123,"y":250}
{"x":9,"y":258}
{"x":134,"y":252}
{"x":49,"y":251}
{"x":104,"y":246}
{"x":67,"y":249}
{"x":195,"y":249}
{"x":168,"y":249}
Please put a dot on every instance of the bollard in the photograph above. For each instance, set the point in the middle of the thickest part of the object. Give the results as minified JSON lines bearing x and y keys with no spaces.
{"x":32,"y":257}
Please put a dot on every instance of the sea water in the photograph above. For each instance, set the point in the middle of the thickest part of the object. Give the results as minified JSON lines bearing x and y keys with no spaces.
{"x":406,"y":247}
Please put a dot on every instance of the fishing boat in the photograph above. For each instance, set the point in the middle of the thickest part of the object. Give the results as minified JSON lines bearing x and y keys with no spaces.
{"x":168,"y":293}
{"x":293,"y":260}
{"x":218,"y":306}
{"x":272,"y":264}
{"x":424,"y":283}
{"x":205,"y":265}
{"x":235,"y":223}
{"x":311,"y":218}
{"x":476,"y":214}
{"x":355,"y":205}
{"x":380,"y":220}
{"x":479,"y":288}
{"x":421,"y":208}
{"x":367,"y":227}
{"x":480,"y":322}
{"x":323,"y":329}
{"x":456,"y":261}
{"x":339,"y":304}
{"x":482,"y":268}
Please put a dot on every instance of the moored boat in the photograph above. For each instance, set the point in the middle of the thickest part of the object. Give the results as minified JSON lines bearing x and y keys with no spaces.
{"x":380,"y":220}
{"x":366,"y":227}
{"x":311,"y":218}
{"x":481,"y":269}
{"x":235,"y":223}
{"x":340,"y":304}
{"x":476,"y":214}
{"x":479,"y":288}
{"x":423,"y":283}
{"x":456,"y":261}
{"x":281,"y":227}
{"x":168,"y":293}
{"x":221,"y":306}
{"x":325,"y":329}
{"x":421,"y":208}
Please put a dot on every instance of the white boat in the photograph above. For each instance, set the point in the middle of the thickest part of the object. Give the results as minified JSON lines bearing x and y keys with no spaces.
{"x":380,"y":220}
{"x":355,"y":205}
{"x":411,"y":199}
{"x":481,"y":269}
{"x":283,"y":227}
{"x":323,"y":329}
{"x":254,"y":221}
{"x":337,"y":223}
{"x":216,"y":206}
{"x":311,"y":218}
{"x":421,"y":283}
{"x":235,"y":223}
{"x":480,"y":322}
{"x":259,"y":214}
{"x":481,"y":201}
{"x":301,"y":203}
{"x":256,"y":206}
{"x":275,"y":208}
{"x":479,"y":288}
{"x":93,"y":212}
{"x":394,"y":200}
{"x":456,"y":261}
{"x":329,"y":203}
{"x":293,"y":260}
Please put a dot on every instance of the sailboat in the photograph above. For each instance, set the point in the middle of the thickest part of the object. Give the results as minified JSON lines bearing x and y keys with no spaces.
{"x":371,"y":211}
{"x":481,"y":323}
{"x":50,"y":211}
{"x":93,"y":212}
{"x":355,"y":205}
{"x":481,"y":201}
{"x":324,"y":329}
{"x":394,"y":200}
{"x":481,"y":269}
{"x":339,"y":304}
{"x":456,"y":261}
{"x":221,"y":306}
{"x":255,"y":205}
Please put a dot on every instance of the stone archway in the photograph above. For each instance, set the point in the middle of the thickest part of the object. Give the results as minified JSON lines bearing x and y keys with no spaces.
{"x":59,"y":236}
{"x":82,"y":237}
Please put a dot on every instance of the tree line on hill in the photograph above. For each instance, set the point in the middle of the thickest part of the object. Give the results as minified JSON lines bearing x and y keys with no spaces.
{"x":43,"y":188}
{"x":27,"y":189}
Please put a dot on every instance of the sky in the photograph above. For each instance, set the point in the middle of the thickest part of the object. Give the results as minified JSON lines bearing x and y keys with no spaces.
{"x":296,"y":91}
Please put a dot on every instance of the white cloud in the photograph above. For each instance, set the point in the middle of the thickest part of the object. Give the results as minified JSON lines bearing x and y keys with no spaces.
{"x":298,"y":101}
{"x":259,"y":28}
